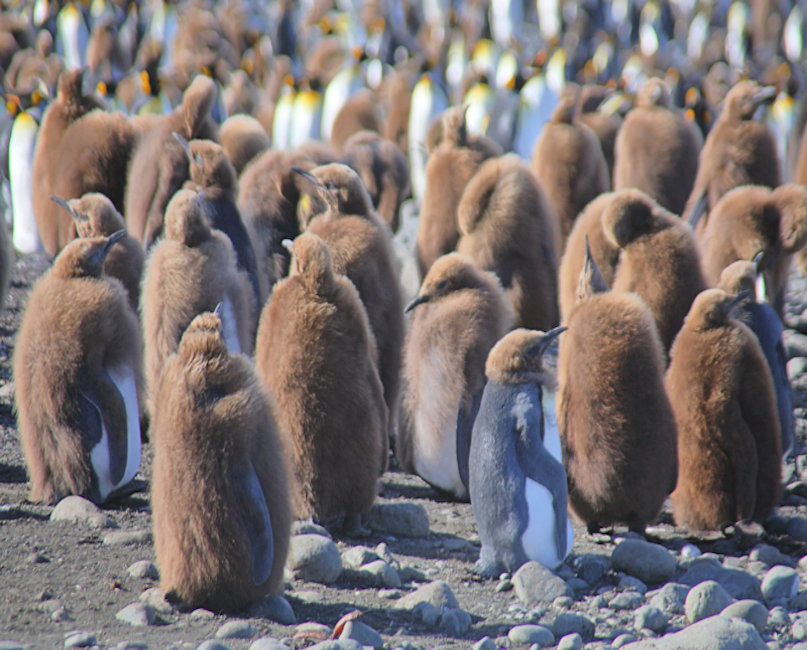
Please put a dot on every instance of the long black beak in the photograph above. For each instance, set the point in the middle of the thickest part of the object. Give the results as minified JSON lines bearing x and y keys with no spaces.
{"x":217,"y":310}
{"x":766,"y":94}
{"x":185,"y":144}
{"x":60,"y":201}
{"x":548,"y":338}
{"x":735,"y":302}
{"x":417,"y":301}
{"x":307,"y":175}
{"x":113,"y":239}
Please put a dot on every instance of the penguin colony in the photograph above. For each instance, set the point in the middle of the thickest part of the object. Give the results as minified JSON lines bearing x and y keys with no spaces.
{"x":212,"y":180}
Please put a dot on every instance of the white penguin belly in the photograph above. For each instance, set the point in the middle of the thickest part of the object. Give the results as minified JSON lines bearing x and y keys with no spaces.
{"x":25,"y":235}
{"x":229,"y":326}
{"x":538,"y":539}
{"x":551,"y":435}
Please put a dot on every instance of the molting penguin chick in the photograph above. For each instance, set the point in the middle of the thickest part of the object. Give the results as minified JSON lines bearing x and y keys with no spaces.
{"x":220,"y":497}
{"x":729,"y":448}
{"x":360,"y":245}
{"x":316,"y":352}
{"x":190,"y":270}
{"x":95,"y":216}
{"x":460,"y":313}
{"x":659,"y":258}
{"x":657,"y":149}
{"x":243,"y":138}
{"x":77,"y":364}
{"x":508,"y":227}
{"x":517,"y":481}
{"x":614,"y":418}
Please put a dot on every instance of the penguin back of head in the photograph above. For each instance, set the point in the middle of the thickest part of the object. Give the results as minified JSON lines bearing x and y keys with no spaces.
{"x":81,"y":258}
{"x":518,"y":357}
{"x":184,"y":221}
{"x":791,"y":199}
{"x":210,"y":166}
{"x":95,"y":215}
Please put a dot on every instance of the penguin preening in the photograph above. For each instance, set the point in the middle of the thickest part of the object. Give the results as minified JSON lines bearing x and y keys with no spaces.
{"x":316,"y":353}
{"x":220,"y":496}
{"x":508,"y":227}
{"x":77,"y":373}
{"x":443,"y":373}
{"x":517,"y":482}
{"x":729,"y":444}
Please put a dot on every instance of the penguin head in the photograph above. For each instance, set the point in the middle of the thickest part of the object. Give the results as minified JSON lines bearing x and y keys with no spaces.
{"x":591,"y":280}
{"x":629,"y":215}
{"x":197,"y":102}
{"x":94,"y":215}
{"x":745,"y":98}
{"x":84,"y":258}
{"x":737,"y":277}
{"x":449,"y":274}
{"x":202,"y":341}
{"x":311,"y":260}
{"x":518,"y":357}
{"x":184,"y":221}
{"x":340,"y":188}
{"x":209,"y":165}
{"x":791,"y":199}
{"x":712,"y":309}
{"x":654,"y":92}
{"x":449,"y":126}
{"x":70,"y":94}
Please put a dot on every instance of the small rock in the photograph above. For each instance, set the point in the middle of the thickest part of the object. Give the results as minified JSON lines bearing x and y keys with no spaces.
{"x":131,"y":645}
{"x":571,"y":642}
{"x":155,"y":599}
{"x":127,"y":537}
{"x":778,"y":618}
{"x":795,"y":343}
{"x":592,"y":567}
{"x":776,"y":524}
{"x":670,"y":598}
{"x":212,"y":644}
{"x":358,"y":556}
{"x":36,"y":558}
{"x":200,"y":614}
{"x":389,"y":594}
{"x":529,"y":634}
{"x":60,"y":614}
{"x":802,"y":563}
{"x":438,"y":594}
{"x":535,"y":584}
{"x":799,"y":602}
{"x":76,"y":509}
{"x":137,"y":614}
{"x":144,"y":569}
{"x":402,"y":519}
{"x":797,"y":528}
{"x":49,"y":606}
{"x":314,"y":558}
{"x":504,"y":585}
{"x":626,"y":600}
{"x":622,"y":640}
{"x":651,"y":618}
{"x":738,"y":584}
{"x":799,"y":630}
{"x":312,"y":630}
{"x":689,"y":551}
{"x":748,"y":610}
{"x":236,"y":630}
{"x":781,"y":582}
{"x":427,"y":613}
{"x":629,"y":582}
{"x":455,"y":622}
{"x":13,"y":645}
{"x":274,"y":608}
{"x":571,"y":623}
{"x":795,"y":367}
{"x":770,"y":555}
{"x":651,"y":563}
{"x":411,"y":574}
{"x":704,"y":600}
{"x":381,"y":574}
{"x":339,"y":644}
{"x":362,"y":633}
{"x":267,"y":643}
{"x":79,"y":639}
{"x":712,"y":633}
{"x":485,"y":643}
{"x":308,"y":528}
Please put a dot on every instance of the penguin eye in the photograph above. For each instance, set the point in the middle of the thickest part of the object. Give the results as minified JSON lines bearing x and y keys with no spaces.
{"x":442,"y":285}
{"x":329,"y":186}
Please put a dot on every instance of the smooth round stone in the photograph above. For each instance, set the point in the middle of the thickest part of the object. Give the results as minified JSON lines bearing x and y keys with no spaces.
{"x":778,"y":618}
{"x":627,"y":583}
{"x":137,"y":614}
{"x":592,"y":567}
{"x":651,"y":563}
{"x":381,"y":574}
{"x":212,"y":644}
{"x":571,"y":642}
{"x":267,"y":643}
{"x":504,"y":585}
{"x":127,"y":537}
{"x":155,"y":598}
{"x":13,"y":645}
{"x":436,"y":593}
{"x":455,"y":622}
{"x":705,"y":599}
{"x":79,"y":640}
{"x":75,"y":509}
{"x":562,"y":602}
{"x":529,"y":634}
{"x":131,"y":645}
{"x":308,"y":528}
{"x":403,"y":519}
{"x":622,"y":639}
{"x":749,"y":610}
{"x":626,"y":600}
{"x":536,"y":585}
{"x":362,"y":633}
{"x":314,"y":558}
{"x":358,"y":556}
{"x":485,"y":643}
{"x":781,"y":582}
{"x":799,"y":630}
{"x":144,"y":569}
{"x":236,"y":630}
{"x":797,"y":528}
{"x":689,"y":551}
{"x":769,"y":555}
{"x":651,"y":618}
{"x":389,"y":594}
{"x":201,"y":615}
{"x":275,"y":608}
{"x":570,"y":623}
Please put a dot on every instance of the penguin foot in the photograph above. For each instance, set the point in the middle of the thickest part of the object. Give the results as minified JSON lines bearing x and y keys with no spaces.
{"x":485,"y":569}
{"x":132,"y":487}
{"x":352,"y":526}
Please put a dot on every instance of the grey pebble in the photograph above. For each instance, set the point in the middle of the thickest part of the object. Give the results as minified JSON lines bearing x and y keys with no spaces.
{"x":438,"y":594}
{"x":626,"y":600}
{"x":529,"y":634}
{"x":535,"y":584}
{"x":274,"y":608}
{"x":36,"y":558}
{"x":127,"y":537}
{"x":562,"y":602}
{"x":402,"y":519}
{"x":705,"y":599}
{"x":79,"y":639}
{"x":712,"y":633}
{"x":358,"y":556}
{"x":797,"y":528}
{"x":651,"y":618}
{"x":770,"y":555}
{"x":578,"y":584}
{"x":200,"y":614}
{"x":778,"y":618}
{"x":799,"y":602}
{"x":592,"y":567}
{"x":339,"y":644}
{"x":267,"y":643}
{"x":781,"y":582}
{"x":455,"y":622}
{"x":236,"y":630}
{"x":571,"y":642}
{"x":49,"y":606}
{"x":795,"y":343}
{"x":802,"y":563}
{"x":13,"y":645}
{"x":313,"y":629}
{"x":504,"y":585}
{"x":76,"y":509}
{"x":622,"y":640}
{"x":389,"y":594}
{"x":799,"y":629}
{"x":750,"y":610}
{"x":144,"y":569}
{"x":737,"y":583}
{"x":629,"y":582}
{"x":61,"y":614}
{"x":314,"y":558}
{"x":570,"y":622}
{"x":155,"y":598}
{"x":795,"y":367}
{"x":137,"y":614}
{"x":308,"y":528}
{"x":651,"y":563}
{"x":381,"y":574}
{"x":427,"y":613}
{"x":362,"y":633}
{"x":212,"y":644}
{"x":131,"y":645}
{"x":485,"y":643}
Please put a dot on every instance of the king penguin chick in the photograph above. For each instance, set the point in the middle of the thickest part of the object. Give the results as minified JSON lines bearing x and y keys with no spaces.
{"x":568,"y":161}
{"x":95,"y":216}
{"x":615,"y":421}
{"x":508,"y":227}
{"x":729,"y":446}
{"x":737,"y":151}
{"x":461,"y":312}
{"x":659,"y":259}
{"x":77,"y":374}
{"x":316,"y":352}
{"x":190,"y":270}
{"x":360,"y":245}
{"x":657,"y":149}
{"x":763,"y":321}
{"x":243,"y":138}
{"x":225,"y":546}
{"x":517,"y":480}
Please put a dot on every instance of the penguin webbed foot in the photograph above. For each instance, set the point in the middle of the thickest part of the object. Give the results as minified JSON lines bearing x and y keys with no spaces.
{"x":485,"y":569}
{"x":125,"y":491}
{"x":353,"y":526}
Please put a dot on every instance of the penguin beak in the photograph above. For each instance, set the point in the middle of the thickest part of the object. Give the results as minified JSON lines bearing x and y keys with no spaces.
{"x":766,"y":94}
{"x":113,"y":239}
{"x":308,"y":176}
{"x":548,"y":338}
{"x":217,"y":310}
{"x":60,"y":201}
{"x":417,"y":301}
{"x":735,"y":302}
{"x":185,"y":144}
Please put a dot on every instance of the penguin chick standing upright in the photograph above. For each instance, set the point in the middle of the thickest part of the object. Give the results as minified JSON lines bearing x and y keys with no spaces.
{"x":225,"y":546}
{"x":517,"y":486}
{"x":77,"y":374}
{"x":729,"y":447}
{"x":316,"y":352}
{"x":461,"y":312}
{"x":190,"y":270}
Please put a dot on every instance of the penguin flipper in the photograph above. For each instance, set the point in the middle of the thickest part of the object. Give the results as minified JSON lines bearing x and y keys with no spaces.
{"x":257,"y":522}
{"x":465,"y":425}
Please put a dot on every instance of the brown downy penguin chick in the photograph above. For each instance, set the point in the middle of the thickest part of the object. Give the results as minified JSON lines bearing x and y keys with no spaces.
{"x":737,"y":151}
{"x":159,"y":165}
{"x":508,"y":227}
{"x":791,"y":199}
{"x":361,"y":249}
{"x":615,"y":421}
{"x":459,"y":314}
{"x":243,"y":138}
{"x":729,"y":449}
{"x":568,"y":161}
{"x":95,"y":216}
{"x":225,"y":546}
{"x":316,"y":352}
{"x":657,"y":149}
{"x":586,"y":233}
{"x":77,"y":373}
{"x":601,"y":118}
{"x":659,"y":259}
{"x":190,"y":270}
{"x":452,"y":162}
{"x":383,"y":169}
{"x":361,"y":112}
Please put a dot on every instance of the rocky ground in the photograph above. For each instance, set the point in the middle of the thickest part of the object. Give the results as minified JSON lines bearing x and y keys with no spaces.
{"x":77,"y":576}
